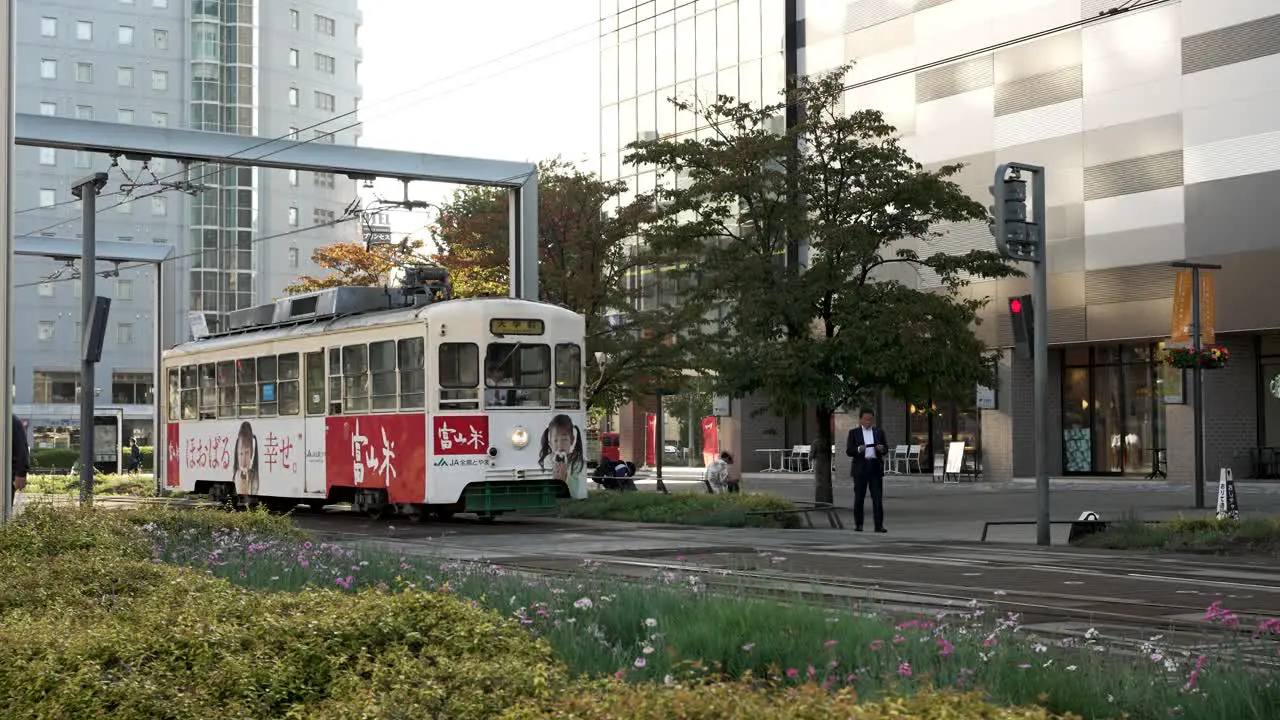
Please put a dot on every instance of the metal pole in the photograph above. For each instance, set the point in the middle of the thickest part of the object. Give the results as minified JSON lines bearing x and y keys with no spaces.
{"x":1197,"y":388}
{"x":6,"y":251}
{"x":659,"y":438}
{"x":1040,"y":365}
{"x":159,"y":431}
{"x":87,"y":190}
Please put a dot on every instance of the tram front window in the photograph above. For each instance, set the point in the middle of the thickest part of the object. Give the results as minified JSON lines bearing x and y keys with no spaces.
{"x":517,"y":375}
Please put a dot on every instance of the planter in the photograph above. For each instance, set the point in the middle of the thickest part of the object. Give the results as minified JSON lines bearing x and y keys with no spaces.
{"x":1210,"y":357}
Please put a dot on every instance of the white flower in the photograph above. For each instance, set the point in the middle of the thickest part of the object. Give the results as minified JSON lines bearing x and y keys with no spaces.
{"x":640,"y":662}
{"x":747,"y":647}
{"x":668,"y":680}
{"x":1040,"y":648}
{"x":647,"y":650}
{"x":1071,"y":668}
{"x":1091,"y":634}
{"x":650,"y":622}
{"x":582,"y":603}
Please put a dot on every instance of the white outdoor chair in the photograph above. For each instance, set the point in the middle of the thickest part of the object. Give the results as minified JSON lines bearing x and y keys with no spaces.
{"x":798,"y":460}
{"x":897,"y":458}
{"x":913,"y":455}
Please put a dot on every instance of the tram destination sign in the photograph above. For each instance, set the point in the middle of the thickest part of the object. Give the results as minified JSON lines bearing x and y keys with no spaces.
{"x":512,"y":326}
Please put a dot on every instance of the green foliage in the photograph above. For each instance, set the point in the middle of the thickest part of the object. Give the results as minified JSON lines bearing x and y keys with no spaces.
{"x":722,"y":510}
{"x":745,"y":701}
{"x":64,"y":458}
{"x":93,"y":627}
{"x":848,"y":319}
{"x":134,"y":485}
{"x":585,"y":261}
{"x":1259,"y":535}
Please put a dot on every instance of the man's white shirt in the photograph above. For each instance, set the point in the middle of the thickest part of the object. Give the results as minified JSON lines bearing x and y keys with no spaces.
{"x":869,"y":440}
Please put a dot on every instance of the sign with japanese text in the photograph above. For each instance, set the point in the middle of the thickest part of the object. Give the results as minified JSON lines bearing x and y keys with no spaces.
{"x":460,"y":435}
{"x":261,"y":456}
{"x":1180,"y":327}
{"x":377,"y":452}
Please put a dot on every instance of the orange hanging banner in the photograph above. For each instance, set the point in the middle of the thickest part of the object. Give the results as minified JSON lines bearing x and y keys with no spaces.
{"x":1180,"y":325}
{"x":1208,"y":312}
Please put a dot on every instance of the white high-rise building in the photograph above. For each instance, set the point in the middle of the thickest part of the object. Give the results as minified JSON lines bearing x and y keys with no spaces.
{"x":246,"y":67}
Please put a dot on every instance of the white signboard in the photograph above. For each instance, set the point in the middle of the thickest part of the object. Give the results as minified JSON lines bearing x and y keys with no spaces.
{"x":955,"y":457}
{"x":720,"y":406}
{"x":986,"y":398}
{"x":199,"y":325}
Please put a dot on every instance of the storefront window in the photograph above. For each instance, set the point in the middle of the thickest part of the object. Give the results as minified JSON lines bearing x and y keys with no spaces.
{"x":1112,"y":410}
{"x":1270,"y":384}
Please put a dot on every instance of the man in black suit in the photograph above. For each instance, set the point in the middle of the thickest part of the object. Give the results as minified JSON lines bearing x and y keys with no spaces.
{"x":867,"y":446}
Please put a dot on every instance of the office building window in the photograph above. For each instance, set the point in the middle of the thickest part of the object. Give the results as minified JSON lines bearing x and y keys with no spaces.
{"x":124,"y":35}
{"x":124,"y":116}
{"x":84,"y":72}
{"x":132,"y":388}
{"x":48,"y":108}
{"x":325,"y":25}
{"x":324,"y":101}
{"x":159,"y":79}
{"x":125,"y":207}
{"x":293,"y":258}
{"x":84,"y":30}
{"x":322,"y":137}
{"x":293,"y":217}
{"x":45,"y":289}
{"x":293,"y":133}
{"x":49,"y":69}
{"x":326,"y":63}
{"x":84,"y":159}
{"x":320,"y":216}
{"x":160,"y":4}
{"x":48,"y":197}
{"x":293,"y":20}
{"x":49,"y":27}
{"x":293,"y":97}
{"x":160,"y":119}
{"x":44,"y":331}
{"x":323,"y":180}
{"x":84,"y":112}
{"x":124,"y":289}
{"x":160,"y":206}
{"x":124,"y":334}
{"x":160,"y":38}
{"x":124,"y":77}
{"x":48,"y":156}
{"x":293,"y":178}
{"x":125,"y":238}
{"x":293,"y":58}
{"x":55,"y":386}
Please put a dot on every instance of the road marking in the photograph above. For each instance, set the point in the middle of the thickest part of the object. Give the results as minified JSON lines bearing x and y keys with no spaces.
{"x":1218,"y":583}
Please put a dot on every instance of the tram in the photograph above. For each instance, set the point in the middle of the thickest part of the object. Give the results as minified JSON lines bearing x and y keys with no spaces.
{"x":393,"y":400}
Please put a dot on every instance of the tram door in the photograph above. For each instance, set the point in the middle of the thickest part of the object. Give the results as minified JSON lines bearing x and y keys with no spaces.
{"x":313,"y":476}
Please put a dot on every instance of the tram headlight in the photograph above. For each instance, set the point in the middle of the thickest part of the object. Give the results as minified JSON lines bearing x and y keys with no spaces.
{"x":519,"y":437}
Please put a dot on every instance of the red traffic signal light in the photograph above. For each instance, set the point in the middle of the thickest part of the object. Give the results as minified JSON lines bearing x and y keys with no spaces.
{"x":1015,"y":305}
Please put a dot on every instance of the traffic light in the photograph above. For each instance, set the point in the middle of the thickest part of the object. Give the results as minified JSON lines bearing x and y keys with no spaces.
{"x":1016,"y":238}
{"x":1022,"y":315}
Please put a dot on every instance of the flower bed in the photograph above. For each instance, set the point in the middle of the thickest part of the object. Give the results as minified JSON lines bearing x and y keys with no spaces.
{"x":669,"y":641}
{"x":684,"y":508}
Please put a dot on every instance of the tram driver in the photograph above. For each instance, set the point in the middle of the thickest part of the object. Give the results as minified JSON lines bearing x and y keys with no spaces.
{"x":501,"y":387}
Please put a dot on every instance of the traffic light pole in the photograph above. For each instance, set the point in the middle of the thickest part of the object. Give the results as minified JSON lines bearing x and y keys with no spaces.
{"x":1021,"y":238}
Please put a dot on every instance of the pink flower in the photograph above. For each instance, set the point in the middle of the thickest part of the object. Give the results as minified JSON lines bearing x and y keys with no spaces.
{"x":876,"y":644}
{"x":904,"y":670}
{"x":831,"y":643}
{"x":344,"y":583}
{"x":898,"y":639}
{"x":792,"y":672}
{"x":944,"y":647}
{"x":812,"y":672}
{"x":1195,"y":672}
{"x":990,"y":642}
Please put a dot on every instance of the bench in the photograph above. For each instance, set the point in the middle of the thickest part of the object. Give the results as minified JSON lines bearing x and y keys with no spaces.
{"x":1079,"y":528}
{"x":805,"y":509}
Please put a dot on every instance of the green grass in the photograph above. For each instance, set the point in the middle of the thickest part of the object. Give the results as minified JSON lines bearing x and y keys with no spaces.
{"x":1258,"y":535}
{"x":724,"y":510}
{"x":139,"y":485}
{"x":667,"y":625}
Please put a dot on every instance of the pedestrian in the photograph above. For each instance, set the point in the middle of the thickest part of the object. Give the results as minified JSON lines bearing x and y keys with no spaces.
{"x":20,"y":459}
{"x":716,"y":477}
{"x":135,"y":455}
{"x":867,"y":446}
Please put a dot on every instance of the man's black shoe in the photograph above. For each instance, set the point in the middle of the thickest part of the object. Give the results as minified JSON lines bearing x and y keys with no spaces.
{"x":881,"y":530}
{"x":858,"y":529}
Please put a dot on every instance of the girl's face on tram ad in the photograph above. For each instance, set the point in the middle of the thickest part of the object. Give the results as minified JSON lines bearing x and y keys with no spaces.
{"x":244,"y":451}
{"x":561,"y":440}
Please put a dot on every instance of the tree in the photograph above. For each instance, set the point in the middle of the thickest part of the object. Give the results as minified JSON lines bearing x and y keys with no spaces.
{"x":849,"y":320}
{"x":587,"y":262}
{"x":352,"y":263}
{"x":688,"y":407}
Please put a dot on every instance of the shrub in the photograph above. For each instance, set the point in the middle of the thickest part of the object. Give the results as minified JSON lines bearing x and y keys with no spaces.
{"x":134,"y":485}
{"x":1191,"y":534}
{"x":739,"y":701}
{"x":724,"y":510}
{"x":60,"y":458}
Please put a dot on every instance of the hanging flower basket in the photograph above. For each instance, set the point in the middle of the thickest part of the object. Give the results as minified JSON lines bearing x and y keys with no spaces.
{"x":1210,"y":357}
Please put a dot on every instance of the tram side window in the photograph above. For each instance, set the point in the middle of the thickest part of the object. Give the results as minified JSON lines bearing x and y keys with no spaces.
{"x":227,"y":389}
{"x":412,"y":373}
{"x":355,"y":378}
{"x":247,"y":382}
{"x":517,"y":375}
{"x":382,"y":364}
{"x":268,"y":401}
{"x":335,"y":381}
{"x":290,"y":395}
{"x":568,"y":376}
{"x":459,"y":369}
{"x":315,"y":383}
{"x":208,"y":392}
{"x":175,"y":396}
{"x":189,"y":401}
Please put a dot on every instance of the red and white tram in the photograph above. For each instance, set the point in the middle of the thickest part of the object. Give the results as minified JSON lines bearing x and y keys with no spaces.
{"x":384,"y":399}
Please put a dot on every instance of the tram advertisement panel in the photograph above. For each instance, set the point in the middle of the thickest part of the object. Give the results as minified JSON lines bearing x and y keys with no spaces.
{"x":378,"y":452}
{"x":262,"y":456}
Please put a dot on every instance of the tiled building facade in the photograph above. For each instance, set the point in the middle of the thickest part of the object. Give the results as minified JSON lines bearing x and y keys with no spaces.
{"x":1159,"y":128}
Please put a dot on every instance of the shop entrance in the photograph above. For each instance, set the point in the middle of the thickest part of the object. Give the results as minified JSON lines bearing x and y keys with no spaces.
{"x":1112,"y":410}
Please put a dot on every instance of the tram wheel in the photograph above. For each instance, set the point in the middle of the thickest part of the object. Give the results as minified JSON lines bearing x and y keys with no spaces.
{"x":443,"y":515}
{"x":223,"y":495}
{"x":317,"y":506}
